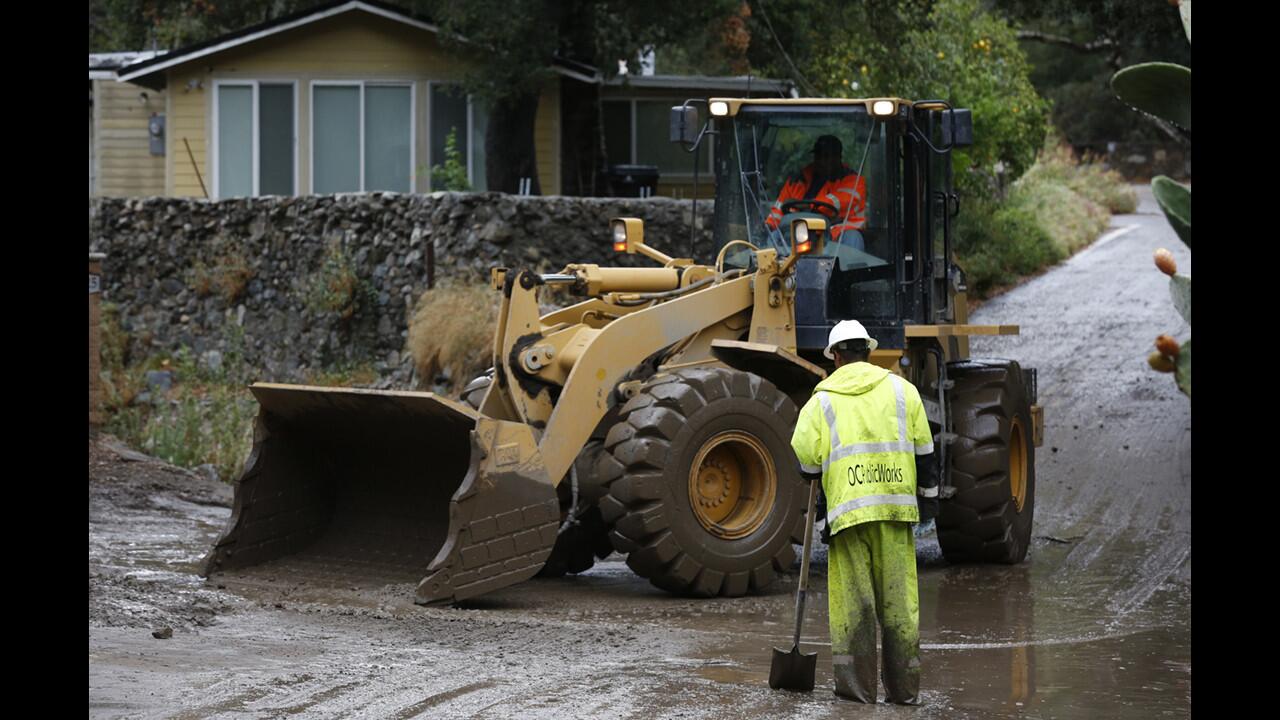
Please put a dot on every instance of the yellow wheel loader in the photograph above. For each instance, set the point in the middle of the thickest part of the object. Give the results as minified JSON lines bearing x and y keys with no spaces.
{"x":654,"y":416}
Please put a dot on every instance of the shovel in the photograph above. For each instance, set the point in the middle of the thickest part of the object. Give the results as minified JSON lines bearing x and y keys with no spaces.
{"x":794,"y":670}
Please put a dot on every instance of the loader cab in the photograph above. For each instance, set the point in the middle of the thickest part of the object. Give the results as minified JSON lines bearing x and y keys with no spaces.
{"x":889,"y":268}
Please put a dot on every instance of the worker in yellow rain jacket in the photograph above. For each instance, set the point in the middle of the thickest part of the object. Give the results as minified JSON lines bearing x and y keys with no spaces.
{"x":865,"y":434}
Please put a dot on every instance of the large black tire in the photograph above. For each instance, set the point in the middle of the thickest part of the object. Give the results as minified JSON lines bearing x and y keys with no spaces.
{"x":582,"y":541}
{"x":578,"y":546}
{"x":993,"y":465}
{"x":579,"y":543}
{"x":723,"y":436}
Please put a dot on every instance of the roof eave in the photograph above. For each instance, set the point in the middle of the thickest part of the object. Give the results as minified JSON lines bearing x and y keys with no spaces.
{"x":142,"y":72}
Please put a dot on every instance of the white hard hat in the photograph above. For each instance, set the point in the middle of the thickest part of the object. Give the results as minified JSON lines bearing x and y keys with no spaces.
{"x":847,"y":330}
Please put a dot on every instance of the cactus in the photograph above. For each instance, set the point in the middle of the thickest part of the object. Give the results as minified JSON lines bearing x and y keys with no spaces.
{"x":1164,"y":90}
{"x":1175,"y":201}
{"x":1160,"y":89}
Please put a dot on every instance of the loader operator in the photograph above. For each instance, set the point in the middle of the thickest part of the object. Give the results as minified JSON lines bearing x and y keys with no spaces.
{"x":827,"y":180}
{"x":865,"y":434}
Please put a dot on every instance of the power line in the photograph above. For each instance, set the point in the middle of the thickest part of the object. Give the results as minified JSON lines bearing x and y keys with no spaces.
{"x":799,"y":76}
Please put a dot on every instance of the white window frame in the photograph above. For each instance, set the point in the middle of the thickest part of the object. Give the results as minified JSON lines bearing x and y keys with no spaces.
{"x":362,"y":83}
{"x":471,"y":132}
{"x":631,"y":100}
{"x":213,"y":136}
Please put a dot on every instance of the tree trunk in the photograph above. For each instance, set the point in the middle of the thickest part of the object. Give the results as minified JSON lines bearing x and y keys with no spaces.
{"x":580,"y":138}
{"x":510,"y":154}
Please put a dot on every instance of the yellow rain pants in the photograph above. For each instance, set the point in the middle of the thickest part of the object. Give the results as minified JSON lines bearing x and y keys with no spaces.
{"x":872,"y":575}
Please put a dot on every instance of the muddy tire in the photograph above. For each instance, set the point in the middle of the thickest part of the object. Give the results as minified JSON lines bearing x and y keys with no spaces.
{"x":585,"y":540}
{"x":704,"y":493}
{"x":578,"y":546}
{"x":993,"y":465}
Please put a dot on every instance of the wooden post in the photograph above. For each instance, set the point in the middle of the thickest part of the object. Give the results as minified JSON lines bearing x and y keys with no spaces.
{"x":95,"y":346}
{"x":431,"y":263}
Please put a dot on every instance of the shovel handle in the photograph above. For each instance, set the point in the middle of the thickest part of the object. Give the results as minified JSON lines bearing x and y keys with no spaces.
{"x":803,"y":588}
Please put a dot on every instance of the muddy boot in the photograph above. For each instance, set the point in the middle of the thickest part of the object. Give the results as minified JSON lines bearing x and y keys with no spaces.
{"x":855,"y":676}
{"x":901,"y":670}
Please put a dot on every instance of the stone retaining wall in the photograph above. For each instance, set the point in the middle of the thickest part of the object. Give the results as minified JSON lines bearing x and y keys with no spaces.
{"x":325,"y":282}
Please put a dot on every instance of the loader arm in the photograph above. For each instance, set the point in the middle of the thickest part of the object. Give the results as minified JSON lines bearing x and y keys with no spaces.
{"x":614,"y":350}
{"x":600,"y":357}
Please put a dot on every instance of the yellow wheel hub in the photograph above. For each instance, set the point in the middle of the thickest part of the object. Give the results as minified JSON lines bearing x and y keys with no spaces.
{"x":1017,"y":465}
{"x":732,"y":484}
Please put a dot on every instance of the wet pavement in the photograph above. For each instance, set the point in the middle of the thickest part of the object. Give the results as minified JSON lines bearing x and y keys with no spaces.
{"x":1096,"y":622}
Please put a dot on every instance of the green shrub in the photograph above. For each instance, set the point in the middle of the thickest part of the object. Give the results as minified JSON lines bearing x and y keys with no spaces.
{"x":356,"y":374}
{"x":1056,"y":208}
{"x":452,"y":175}
{"x":1070,"y":219}
{"x":194,"y":425}
{"x":336,"y":288}
{"x":995,"y":244}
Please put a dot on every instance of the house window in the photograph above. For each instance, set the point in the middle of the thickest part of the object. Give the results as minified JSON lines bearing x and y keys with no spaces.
{"x":255,"y":137}
{"x":453,"y":111}
{"x":361,"y":137}
{"x":635,"y":132}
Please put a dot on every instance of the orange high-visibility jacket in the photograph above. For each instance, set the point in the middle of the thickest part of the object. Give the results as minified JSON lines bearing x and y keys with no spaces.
{"x":847,"y":193}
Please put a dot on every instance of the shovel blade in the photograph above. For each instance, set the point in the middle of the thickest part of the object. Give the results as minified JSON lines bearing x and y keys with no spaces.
{"x":793,"y":670}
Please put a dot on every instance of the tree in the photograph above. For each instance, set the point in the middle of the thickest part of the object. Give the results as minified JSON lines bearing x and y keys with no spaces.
{"x":817,"y":41}
{"x":116,"y":25}
{"x":1076,"y":47}
{"x":918,"y":49}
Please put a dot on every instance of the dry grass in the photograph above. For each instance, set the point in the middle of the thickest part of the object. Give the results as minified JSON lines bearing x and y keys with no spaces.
{"x":1056,"y":208}
{"x":451,"y":333}
{"x":229,"y":276}
{"x":1071,"y":220}
{"x":1057,"y":164}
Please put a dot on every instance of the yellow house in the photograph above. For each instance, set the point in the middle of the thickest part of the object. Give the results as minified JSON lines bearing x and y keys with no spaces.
{"x":126,"y":127}
{"x":357,"y":96}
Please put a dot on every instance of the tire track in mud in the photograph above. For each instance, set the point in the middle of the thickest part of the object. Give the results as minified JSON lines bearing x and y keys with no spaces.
{"x":432,"y":701}
{"x":1114,"y":471}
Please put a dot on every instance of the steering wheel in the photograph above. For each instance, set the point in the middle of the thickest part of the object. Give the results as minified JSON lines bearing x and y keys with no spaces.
{"x":813,"y":205}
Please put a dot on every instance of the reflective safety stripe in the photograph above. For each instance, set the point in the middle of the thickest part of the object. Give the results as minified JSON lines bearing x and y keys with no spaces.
{"x":928,"y":492}
{"x":902,"y":407}
{"x":845,"y":451}
{"x":924,"y":449}
{"x":811,"y":469}
{"x":834,"y":200}
{"x":840,"y":451}
{"x":868,"y":501}
{"x":830,"y":413}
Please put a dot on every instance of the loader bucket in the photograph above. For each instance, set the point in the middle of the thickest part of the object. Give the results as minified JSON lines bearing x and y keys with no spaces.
{"x":348,"y":487}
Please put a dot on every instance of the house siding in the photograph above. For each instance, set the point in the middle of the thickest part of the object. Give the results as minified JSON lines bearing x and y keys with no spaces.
{"x":546,"y":139}
{"x":121,"y":150}
{"x":355,"y":46}
{"x":187,"y":123}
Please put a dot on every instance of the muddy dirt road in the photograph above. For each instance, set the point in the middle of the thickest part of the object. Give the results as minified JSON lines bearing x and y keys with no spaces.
{"x":1095,"y":623}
